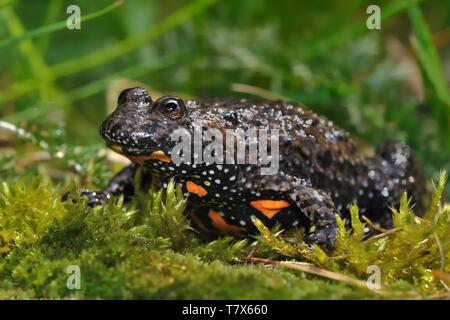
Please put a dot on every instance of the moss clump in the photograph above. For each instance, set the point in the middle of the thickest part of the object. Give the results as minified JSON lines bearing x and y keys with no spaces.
{"x":146,"y":249}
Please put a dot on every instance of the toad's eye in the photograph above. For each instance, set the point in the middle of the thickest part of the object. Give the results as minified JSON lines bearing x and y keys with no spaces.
{"x":171,"y":107}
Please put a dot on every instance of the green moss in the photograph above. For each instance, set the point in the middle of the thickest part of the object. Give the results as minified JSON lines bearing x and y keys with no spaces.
{"x":120,"y":258}
{"x":146,"y":249}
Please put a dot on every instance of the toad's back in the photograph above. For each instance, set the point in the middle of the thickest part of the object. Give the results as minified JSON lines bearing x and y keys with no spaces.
{"x":313,"y":148}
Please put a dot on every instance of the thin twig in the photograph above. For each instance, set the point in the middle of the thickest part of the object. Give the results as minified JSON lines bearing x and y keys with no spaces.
{"x":312,"y":269}
{"x":373,"y":225}
{"x":383,"y":235}
{"x":441,"y":253}
{"x":252,"y":253}
{"x":257,"y":91}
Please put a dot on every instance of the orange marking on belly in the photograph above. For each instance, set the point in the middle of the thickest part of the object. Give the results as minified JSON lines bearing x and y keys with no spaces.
{"x":196,"y":189}
{"x":269,"y":208}
{"x":157,"y":155}
{"x":220,"y":224}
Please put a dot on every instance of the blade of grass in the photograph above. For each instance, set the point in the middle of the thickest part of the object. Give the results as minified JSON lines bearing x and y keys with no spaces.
{"x":109,"y":53}
{"x":351,"y":31}
{"x":5,"y":3}
{"x":53,"y":10}
{"x":118,"y":49}
{"x":94,"y":87}
{"x":57,"y":26}
{"x":427,"y":54}
{"x":428,"y":58}
{"x":38,"y":67}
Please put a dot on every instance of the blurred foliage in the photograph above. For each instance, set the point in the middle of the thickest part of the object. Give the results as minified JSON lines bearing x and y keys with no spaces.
{"x":320,"y":54}
{"x":57,"y":85}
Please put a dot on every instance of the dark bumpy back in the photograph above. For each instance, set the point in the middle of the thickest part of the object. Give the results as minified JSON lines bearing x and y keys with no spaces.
{"x":313,"y":148}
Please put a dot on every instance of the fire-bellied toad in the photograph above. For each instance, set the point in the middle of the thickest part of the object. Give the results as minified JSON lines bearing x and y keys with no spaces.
{"x":320,"y":171}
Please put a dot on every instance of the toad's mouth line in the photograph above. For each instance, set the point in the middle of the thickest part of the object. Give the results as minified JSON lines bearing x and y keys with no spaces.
{"x":156,"y":155}
{"x":140,"y":159}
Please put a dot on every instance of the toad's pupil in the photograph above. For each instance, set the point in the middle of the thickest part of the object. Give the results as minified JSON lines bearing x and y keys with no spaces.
{"x":171,"y":106}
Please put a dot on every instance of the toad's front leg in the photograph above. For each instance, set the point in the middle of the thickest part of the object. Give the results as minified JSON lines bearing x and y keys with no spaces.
{"x":121,"y":183}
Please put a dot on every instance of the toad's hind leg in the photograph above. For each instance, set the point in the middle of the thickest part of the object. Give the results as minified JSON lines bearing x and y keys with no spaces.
{"x":307,"y":203}
{"x":399,"y":172}
{"x":319,"y":208}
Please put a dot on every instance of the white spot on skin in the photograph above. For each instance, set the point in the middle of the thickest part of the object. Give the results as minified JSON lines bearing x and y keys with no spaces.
{"x":232,"y":178}
{"x":385,"y":192}
{"x":399,"y":159}
{"x":372,"y":174}
{"x":308,"y":122}
{"x":242,"y":223}
{"x":217,"y":181}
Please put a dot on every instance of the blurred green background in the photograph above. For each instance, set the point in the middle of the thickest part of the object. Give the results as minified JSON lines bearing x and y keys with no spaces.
{"x":57,"y":84}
